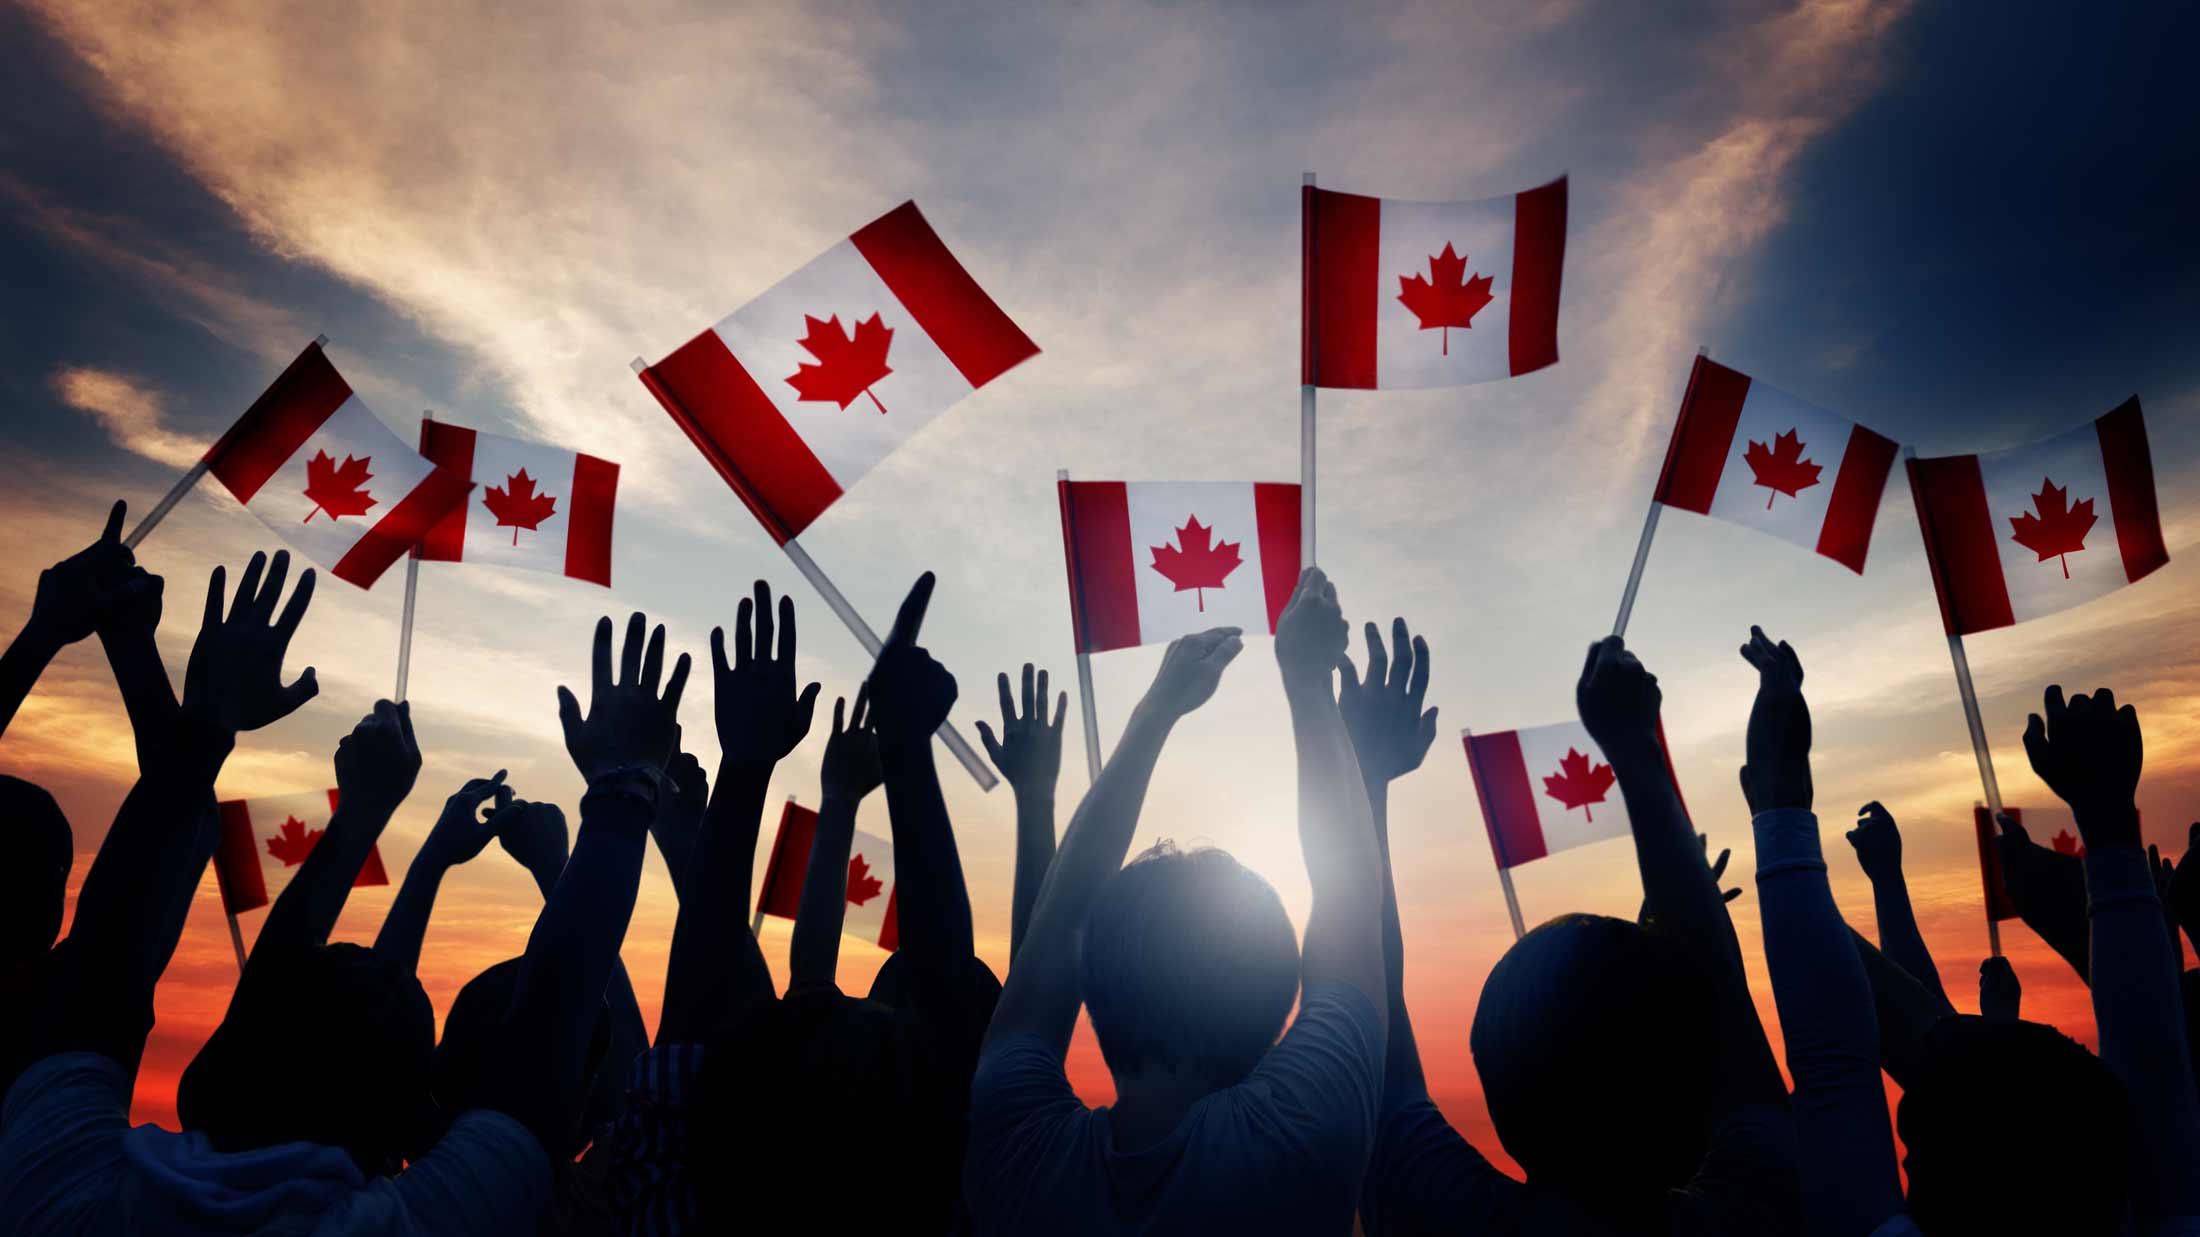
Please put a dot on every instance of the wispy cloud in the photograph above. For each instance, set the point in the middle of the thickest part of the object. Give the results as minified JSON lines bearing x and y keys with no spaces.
{"x":131,"y":415}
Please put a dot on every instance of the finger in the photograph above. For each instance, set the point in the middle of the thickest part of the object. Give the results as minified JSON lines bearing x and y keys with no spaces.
{"x":2192,"y":836}
{"x":1378,"y":659}
{"x":1224,"y":655}
{"x":113,"y":531}
{"x":214,"y":588}
{"x":2011,"y":829}
{"x":295,"y":612}
{"x":1401,"y":662}
{"x":2055,"y":707}
{"x":1852,"y":835}
{"x":1790,"y":662}
{"x":764,"y":626}
{"x":305,"y":688}
{"x":1008,"y":704}
{"x":677,"y":685}
{"x":1348,"y":677}
{"x":992,"y":745}
{"x":271,"y":588}
{"x":2035,"y":740}
{"x":744,"y":624}
{"x":862,"y":716}
{"x":630,"y":649}
{"x":1589,"y":663}
{"x":1039,"y":698}
{"x":910,"y":620}
{"x":1030,"y":676}
{"x":248,"y":587}
{"x":1061,"y":711}
{"x":404,"y":720}
{"x":718,"y":652}
{"x":1417,"y":686}
{"x":504,"y":797}
{"x":1718,"y":865}
{"x":786,"y":630}
{"x":569,"y":713}
{"x":840,"y":713}
{"x":653,"y":660}
{"x":1730,"y":895}
{"x":599,"y":662}
{"x":806,"y":708}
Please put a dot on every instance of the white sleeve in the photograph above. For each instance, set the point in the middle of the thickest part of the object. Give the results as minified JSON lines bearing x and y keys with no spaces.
{"x":61,"y":1132}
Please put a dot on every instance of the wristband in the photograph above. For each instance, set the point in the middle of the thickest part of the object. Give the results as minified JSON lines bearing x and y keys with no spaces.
{"x":637,"y":782}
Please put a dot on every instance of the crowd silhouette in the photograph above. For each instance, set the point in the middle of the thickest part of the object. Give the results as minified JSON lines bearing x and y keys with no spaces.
{"x":1267,"y":1076}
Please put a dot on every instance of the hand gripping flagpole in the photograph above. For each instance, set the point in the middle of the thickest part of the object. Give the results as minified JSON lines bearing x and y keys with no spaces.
{"x":834,"y":601}
{"x":1306,"y":389}
{"x":190,"y":478}
{"x":1642,"y":556}
{"x":412,"y":590}
{"x":1085,"y":706}
{"x":1504,"y":871}
{"x":1964,"y":688}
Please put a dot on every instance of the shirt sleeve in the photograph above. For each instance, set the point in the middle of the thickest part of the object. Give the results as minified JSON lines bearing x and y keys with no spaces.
{"x":61,"y":1134}
{"x":648,"y":1146}
{"x":2139,"y":1010}
{"x":487,"y":1174}
{"x":1829,"y":1022}
{"x":1321,"y":1086}
{"x":1425,"y":1178}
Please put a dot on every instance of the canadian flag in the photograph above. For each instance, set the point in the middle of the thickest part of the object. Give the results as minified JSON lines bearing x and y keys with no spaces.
{"x":1429,"y":294}
{"x":315,"y":464}
{"x":795,"y":395}
{"x":2063,"y":841}
{"x":264,"y":840}
{"x":534,"y":506}
{"x":1153,"y":560}
{"x":2016,"y":534}
{"x":870,"y":915}
{"x":1546,"y":789}
{"x":1753,"y":454}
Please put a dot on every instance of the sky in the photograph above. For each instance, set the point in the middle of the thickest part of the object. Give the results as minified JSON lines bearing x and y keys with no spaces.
{"x":1964,"y":234}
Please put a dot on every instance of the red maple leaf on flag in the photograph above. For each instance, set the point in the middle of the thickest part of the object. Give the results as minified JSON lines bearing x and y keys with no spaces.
{"x":847,"y":365}
{"x":338,"y":491}
{"x":518,"y":505}
{"x":294,"y":843}
{"x":1200,"y":564}
{"x":1447,"y":298}
{"x":862,"y":886}
{"x":1783,"y":470}
{"x":2059,"y":529}
{"x":2067,"y":845}
{"x":1577,"y":784}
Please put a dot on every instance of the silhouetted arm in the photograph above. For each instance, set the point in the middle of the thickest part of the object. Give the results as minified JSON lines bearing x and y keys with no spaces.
{"x":1041,"y":995}
{"x":1878,"y":845}
{"x":850,"y":772}
{"x":1028,"y":752}
{"x":715,"y":964}
{"x":82,"y":593}
{"x":534,"y":835}
{"x":1905,"y":1010}
{"x":2089,"y":752}
{"x":456,"y":837}
{"x":2048,"y":888}
{"x":681,"y":804}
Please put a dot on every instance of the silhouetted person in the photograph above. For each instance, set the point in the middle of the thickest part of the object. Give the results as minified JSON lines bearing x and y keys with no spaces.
{"x":1188,"y":969}
{"x":1622,"y":1063}
{"x":34,"y":890}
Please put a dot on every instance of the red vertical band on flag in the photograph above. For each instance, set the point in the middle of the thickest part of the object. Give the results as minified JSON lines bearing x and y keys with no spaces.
{"x":1854,"y":505}
{"x":733,"y":423}
{"x":1539,"y":259}
{"x":237,"y":860}
{"x":789,"y":864}
{"x":889,"y":930}
{"x":1103,"y":584}
{"x":277,"y":424}
{"x":1508,"y":799}
{"x":371,"y":871}
{"x":1999,"y":905}
{"x":1703,"y":435}
{"x":941,"y":295}
{"x":1341,"y":236}
{"x":2129,"y":463}
{"x":395,"y":534}
{"x":1276,"y":516}
{"x":448,"y":447}
{"x":588,"y":532}
{"x":1959,"y":544}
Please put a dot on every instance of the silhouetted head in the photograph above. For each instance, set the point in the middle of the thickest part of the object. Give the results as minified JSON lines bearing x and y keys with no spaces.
{"x":1984,"y":1087}
{"x":332,"y":1046}
{"x":1596,"y":1041}
{"x":1190,"y":966}
{"x":471,"y":1057}
{"x":34,"y":882}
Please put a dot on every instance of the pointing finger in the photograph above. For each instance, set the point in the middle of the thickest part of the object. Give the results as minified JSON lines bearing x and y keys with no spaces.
{"x":910,"y":621}
{"x":113,"y":531}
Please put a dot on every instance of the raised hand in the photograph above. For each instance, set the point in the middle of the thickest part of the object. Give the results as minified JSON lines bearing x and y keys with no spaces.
{"x":2088,"y":751}
{"x":628,"y":725}
{"x":1390,"y":732}
{"x":761,"y":717}
{"x":1718,"y":875}
{"x":1618,"y":699}
{"x":92,"y":588}
{"x":1878,"y":843}
{"x":460,"y":832}
{"x":234,"y":679}
{"x":1028,"y":751}
{"x":1311,"y":634}
{"x":910,"y":693}
{"x":377,"y":763}
{"x":851,"y":768}
{"x":534,"y":835}
{"x":2048,"y":888}
{"x":1778,"y":772}
{"x":1191,"y":668}
{"x":1999,"y":993}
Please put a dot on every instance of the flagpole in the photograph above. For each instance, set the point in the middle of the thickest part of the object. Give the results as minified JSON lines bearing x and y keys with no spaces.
{"x":834,"y":601}
{"x":1972,"y":717}
{"x":236,"y":938}
{"x":412,"y":590}
{"x":1306,"y":389}
{"x":182,"y":487}
{"x":1642,"y":553}
{"x":1512,"y":902}
{"x":1504,"y":870}
{"x":1085,"y":704}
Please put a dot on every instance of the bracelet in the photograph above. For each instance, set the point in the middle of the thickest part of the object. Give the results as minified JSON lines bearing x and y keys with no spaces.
{"x":638,"y":782}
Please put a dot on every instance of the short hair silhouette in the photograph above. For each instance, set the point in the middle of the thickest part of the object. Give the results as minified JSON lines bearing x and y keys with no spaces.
{"x":35,"y":892}
{"x":1189,"y":963}
{"x":472,"y":1057}
{"x":1983,"y":1087}
{"x":333,"y":1046}
{"x":1596,"y":1042}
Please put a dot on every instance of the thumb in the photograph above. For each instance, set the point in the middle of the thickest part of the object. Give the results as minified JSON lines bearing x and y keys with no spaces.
{"x":306,"y":688}
{"x":992,"y":745}
{"x":569,"y":714}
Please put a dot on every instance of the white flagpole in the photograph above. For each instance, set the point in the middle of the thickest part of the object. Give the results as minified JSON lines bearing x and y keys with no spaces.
{"x":412,"y":590}
{"x":1504,"y":873}
{"x":1306,"y":394}
{"x":1642,"y":555}
{"x":236,"y":938}
{"x":1972,"y":718}
{"x":175,"y":495}
{"x":948,"y":735}
{"x":1085,"y":706}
